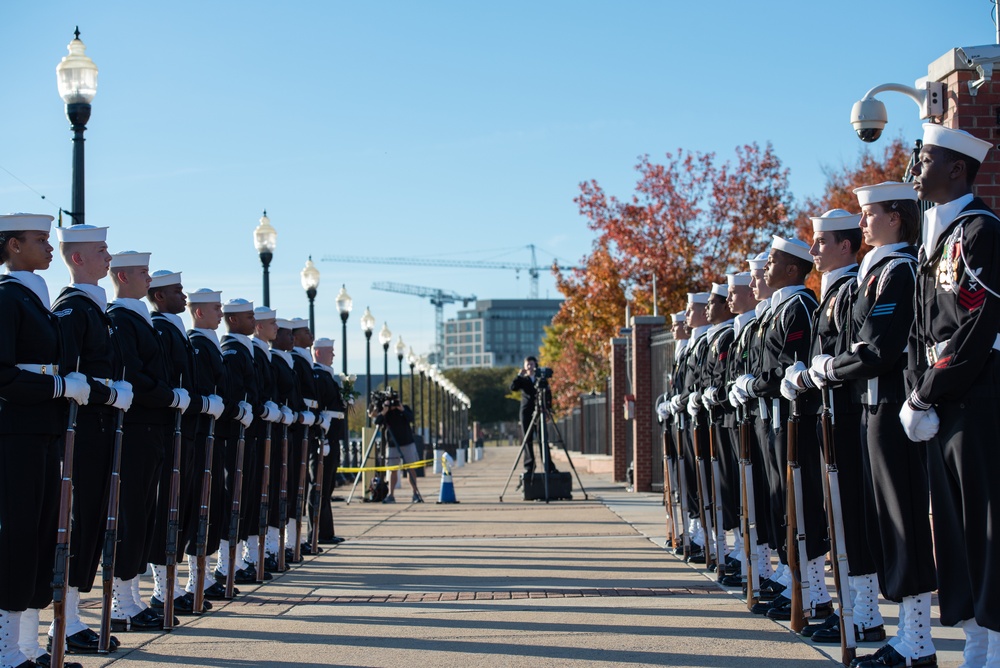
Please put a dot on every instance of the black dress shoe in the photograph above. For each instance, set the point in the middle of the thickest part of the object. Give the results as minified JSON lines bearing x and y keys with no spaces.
{"x":217,"y":592}
{"x":822,"y":611}
{"x":763,"y":607}
{"x":781,"y":613}
{"x":290,"y":557}
{"x":252,"y":570}
{"x":833,"y":621}
{"x":46,"y":661}
{"x":890,"y":658}
{"x":697,"y":555}
{"x":271,"y":565}
{"x":84,"y":642}
{"x":832,"y":634}
{"x":770,"y":589}
{"x":731,"y":581}
{"x":307,"y":550}
{"x":147,"y":620}
{"x":221,"y":579}
{"x":245,"y":576}
{"x":182,"y":605}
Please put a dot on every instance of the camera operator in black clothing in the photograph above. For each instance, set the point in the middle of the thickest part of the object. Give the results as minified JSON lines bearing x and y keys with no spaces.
{"x":527,"y":382}
{"x":386,"y":409}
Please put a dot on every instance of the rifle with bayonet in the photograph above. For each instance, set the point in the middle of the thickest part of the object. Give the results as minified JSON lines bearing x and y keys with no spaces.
{"x":317,"y":491}
{"x":720,"y":540}
{"x":60,"y":570}
{"x":173,"y":523}
{"x":283,"y":498}
{"x":749,"y":512}
{"x":682,"y":491}
{"x":795,"y":536}
{"x":265,"y":504}
{"x":233,"y":535}
{"x":300,"y":494}
{"x":201,"y":538}
{"x":704,"y":500}
{"x":111,"y":538}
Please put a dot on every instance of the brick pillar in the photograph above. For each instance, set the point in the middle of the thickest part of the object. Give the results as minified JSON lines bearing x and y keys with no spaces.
{"x":642,"y":387}
{"x":976,"y":114}
{"x":619,"y":387}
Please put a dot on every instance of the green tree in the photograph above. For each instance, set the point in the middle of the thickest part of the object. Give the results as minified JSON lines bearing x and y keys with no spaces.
{"x":487,"y":390}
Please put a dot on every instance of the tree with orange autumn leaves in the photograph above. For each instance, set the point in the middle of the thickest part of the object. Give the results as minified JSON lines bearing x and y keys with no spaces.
{"x":690,"y":220}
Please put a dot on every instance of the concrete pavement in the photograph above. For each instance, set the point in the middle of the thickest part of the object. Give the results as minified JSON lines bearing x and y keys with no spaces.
{"x":485,"y":583}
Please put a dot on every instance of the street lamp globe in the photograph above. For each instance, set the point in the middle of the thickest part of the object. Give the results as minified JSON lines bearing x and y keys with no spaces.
{"x":310,"y":276}
{"x":367,"y":322}
{"x":344,"y":303}
{"x":76,"y":74}
{"x":265,"y":237}
{"x":411,"y":358}
{"x":385,"y":336}
{"x":400,"y":348}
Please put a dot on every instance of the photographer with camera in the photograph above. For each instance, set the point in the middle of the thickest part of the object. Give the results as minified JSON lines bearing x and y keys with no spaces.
{"x":389,"y":413}
{"x":531,"y":381}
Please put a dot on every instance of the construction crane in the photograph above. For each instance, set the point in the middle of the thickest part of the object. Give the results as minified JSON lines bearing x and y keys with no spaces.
{"x":438,"y":298}
{"x":532,"y":269}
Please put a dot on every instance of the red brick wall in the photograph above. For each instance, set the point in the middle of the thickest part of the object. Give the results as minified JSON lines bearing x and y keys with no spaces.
{"x":642,"y":387}
{"x":619,"y":388}
{"x":977,"y":115}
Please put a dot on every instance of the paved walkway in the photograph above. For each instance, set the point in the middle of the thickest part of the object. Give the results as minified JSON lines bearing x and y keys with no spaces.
{"x":485,"y":583}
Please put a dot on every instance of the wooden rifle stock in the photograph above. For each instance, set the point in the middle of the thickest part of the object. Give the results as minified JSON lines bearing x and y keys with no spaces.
{"x":704,"y":502}
{"x":173,"y":526}
{"x":234,"y":514}
{"x":300,"y":494}
{"x":60,"y":570}
{"x":265,"y":504}
{"x":838,"y":544}
{"x":720,"y":541}
{"x":111,"y":538}
{"x":317,"y":492}
{"x":668,"y":496}
{"x":283,"y":498}
{"x":748,"y":514}
{"x":792,"y":507}
{"x":201,"y":538}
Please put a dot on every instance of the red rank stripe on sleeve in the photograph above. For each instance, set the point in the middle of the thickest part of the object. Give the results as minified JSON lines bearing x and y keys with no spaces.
{"x":971,"y":300}
{"x":943,"y":362}
{"x":723,"y":356}
{"x":794,"y":336}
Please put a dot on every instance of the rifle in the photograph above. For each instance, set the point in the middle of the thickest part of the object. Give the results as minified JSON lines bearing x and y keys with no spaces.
{"x":668,"y":496}
{"x":720,"y":541}
{"x":704,"y":502}
{"x":300,"y":494}
{"x":60,"y":570}
{"x":265,"y":505}
{"x":201,"y":538}
{"x":838,"y":545}
{"x":682,"y":491}
{"x":317,"y":494}
{"x":111,"y":538}
{"x":234,"y":515}
{"x":283,"y":498}
{"x":173,"y":526}
{"x":749,"y":513}
{"x":795,"y":536}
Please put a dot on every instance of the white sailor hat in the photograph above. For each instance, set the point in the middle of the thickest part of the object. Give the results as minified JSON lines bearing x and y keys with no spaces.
{"x":237,"y":306}
{"x":793,"y":247}
{"x":205,"y":296}
{"x":265,"y":313}
{"x":299,"y":323}
{"x":284,"y":323}
{"x":959,"y":141}
{"x":758,"y":261}
{"x":889,"y":191}
{"x":81,"y":234}
{"x":25,"y":222}
{"x":678,"y":318}
{"x":835,"y":220}
{"x":130,"y":259}
{"x":742,"y":278}
{"x":720,"y":290}
{"x":164,"y":277}
{"x":698,"y":297}
{"x":323,"y":343}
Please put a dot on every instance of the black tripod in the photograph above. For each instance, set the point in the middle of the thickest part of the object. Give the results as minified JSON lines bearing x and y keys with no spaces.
{"x":540,"y":419}
{"x":381,"y":437}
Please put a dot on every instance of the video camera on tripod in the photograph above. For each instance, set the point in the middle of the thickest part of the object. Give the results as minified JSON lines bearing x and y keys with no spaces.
{"x":379,"y":400}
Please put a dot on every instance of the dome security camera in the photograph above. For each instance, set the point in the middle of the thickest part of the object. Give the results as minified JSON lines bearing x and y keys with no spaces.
{"x":868,"y":117}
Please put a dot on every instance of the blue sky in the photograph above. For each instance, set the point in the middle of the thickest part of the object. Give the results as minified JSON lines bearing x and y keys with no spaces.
{"x":456,"y":130}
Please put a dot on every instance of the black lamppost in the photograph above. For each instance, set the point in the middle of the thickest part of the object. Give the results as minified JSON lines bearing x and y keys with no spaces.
{"x":411,"y":359}
{"x":385,"y":338}
{"x":344,"y":305}
{"x":310,"y":281}
{"x":76,"y":79}
{"x":265,"y":238}
{"x":422,"y":368}
{"x":400,"y":348}
{"x":367,"y":325}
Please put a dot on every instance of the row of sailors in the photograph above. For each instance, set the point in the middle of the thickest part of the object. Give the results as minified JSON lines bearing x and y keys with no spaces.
{"x":901,"y":350}
{"x":257,"y":382}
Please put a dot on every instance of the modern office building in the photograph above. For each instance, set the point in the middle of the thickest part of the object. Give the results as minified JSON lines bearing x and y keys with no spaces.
{"x":497,"y":332}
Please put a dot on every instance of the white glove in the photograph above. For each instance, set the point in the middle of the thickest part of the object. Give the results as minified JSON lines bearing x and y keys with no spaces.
{"x":694,"y":404}
{"x":745,"y":385}
{"x":325,"y":419}
{"x":710,"y":397}
{"x":663,"y":410}
{"x":821,"y":370}
{"x":676,"y":404}
{"x":122,"y":395}
{"x":307,"y":418}
{"x":271,"y":412}
{"x":181,"y":399}
{"x":733,"y":401}
{"x":790,"y":385}
{"x":213,"y":405}
{"x":919,"y":426}
{"x":76,"y":387}
{"x":244,"y":414}
{"x":287,"y":415}
{"x":326,"y":448}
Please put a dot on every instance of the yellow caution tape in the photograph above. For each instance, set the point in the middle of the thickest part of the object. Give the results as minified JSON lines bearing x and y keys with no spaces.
{"x":397,"y":467}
